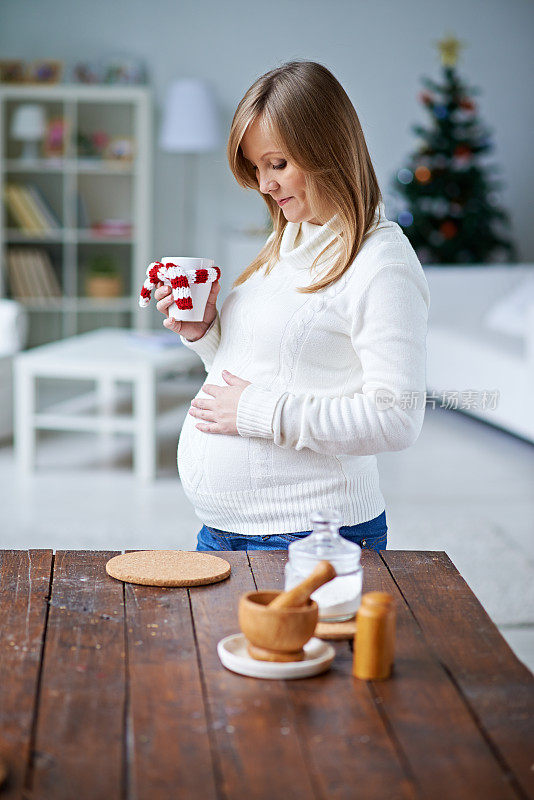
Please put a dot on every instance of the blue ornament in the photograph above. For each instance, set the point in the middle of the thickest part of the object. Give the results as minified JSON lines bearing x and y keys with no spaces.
{"x":441,"y":112}
{"x":405,"y":176}
{"x":405,"y":219}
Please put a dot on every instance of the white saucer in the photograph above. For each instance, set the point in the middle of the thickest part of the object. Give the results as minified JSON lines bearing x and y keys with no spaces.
{"x":232,"y":650}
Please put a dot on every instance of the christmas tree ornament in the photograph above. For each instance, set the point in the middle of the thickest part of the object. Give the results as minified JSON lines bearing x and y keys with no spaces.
{"x":467,"y":104}
{"x":405,"y":219}
{"x":405,"y":176}
{"x":449,"y":47}
{"x":423,"y":174}
{"x":462,"y":151}
{"x":426,"y":98}
{"x":448,"y":229}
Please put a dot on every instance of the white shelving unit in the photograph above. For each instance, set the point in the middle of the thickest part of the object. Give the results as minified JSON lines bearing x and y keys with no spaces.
{"x":110,"y":189}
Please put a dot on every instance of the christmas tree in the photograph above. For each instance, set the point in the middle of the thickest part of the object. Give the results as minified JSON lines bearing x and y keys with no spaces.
{"x":452,"y":213}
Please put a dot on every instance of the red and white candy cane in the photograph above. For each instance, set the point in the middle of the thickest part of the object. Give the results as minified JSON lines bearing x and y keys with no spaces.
{"x":175,"y":276}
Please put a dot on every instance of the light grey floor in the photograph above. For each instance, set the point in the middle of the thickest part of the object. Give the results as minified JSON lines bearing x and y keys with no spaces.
{"x":464,"y":488}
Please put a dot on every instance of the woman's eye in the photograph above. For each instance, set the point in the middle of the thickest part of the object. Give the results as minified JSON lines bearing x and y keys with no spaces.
{"x":274,"y":166}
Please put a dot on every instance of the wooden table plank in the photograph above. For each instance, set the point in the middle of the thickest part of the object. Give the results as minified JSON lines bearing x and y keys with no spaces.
{"x":497,"y":687}
{"x":336,"y":716}
{"x":79,"y":736}
{"x":24,"y":586}
{"x":169,"y":753}
{"x":258,"y":756}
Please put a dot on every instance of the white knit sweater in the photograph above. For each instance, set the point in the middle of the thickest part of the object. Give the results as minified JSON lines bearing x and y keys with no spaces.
{"x":309,"y":424}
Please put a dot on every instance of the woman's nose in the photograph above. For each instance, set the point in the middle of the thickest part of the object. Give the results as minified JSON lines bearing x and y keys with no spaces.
{"x":267,"y":184}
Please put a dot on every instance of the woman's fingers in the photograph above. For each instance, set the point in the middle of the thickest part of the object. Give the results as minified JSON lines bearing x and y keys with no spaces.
{"x":162,"y":291}
{"x":214,"y":292}
{"x":163,"y":305}
{"x":172,"y":324}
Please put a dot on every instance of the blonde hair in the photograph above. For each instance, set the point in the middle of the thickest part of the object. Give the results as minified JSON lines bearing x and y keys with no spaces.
{"x":312,"y":120}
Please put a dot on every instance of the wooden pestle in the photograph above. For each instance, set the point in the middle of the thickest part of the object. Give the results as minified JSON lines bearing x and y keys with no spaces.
{"x":300,"y":594}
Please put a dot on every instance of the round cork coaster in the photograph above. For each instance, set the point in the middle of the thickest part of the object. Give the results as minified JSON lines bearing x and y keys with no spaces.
{"x":168,"y":568}
{"x":336,"y":630}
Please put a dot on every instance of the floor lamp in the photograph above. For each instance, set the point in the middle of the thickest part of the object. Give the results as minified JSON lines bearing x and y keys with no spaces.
{"x":190,"y":125}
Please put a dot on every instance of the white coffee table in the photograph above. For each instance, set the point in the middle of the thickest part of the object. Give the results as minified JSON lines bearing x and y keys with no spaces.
{"x":107,"y":355}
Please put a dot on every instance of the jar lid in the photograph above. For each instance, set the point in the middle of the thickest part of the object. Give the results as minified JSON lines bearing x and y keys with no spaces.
{"x":342,"y":554}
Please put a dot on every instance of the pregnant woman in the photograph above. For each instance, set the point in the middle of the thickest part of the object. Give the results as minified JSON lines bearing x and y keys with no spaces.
{"x":316,"y":361}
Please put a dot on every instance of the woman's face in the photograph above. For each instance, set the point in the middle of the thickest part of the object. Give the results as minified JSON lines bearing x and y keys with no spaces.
{"x":276,"y":175}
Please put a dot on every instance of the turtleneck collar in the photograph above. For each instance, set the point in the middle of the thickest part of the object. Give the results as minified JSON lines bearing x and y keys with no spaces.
{"x":314,"y":239}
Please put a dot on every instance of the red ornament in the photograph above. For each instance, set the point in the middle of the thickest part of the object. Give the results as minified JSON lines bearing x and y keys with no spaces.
{"x":467,"y":104}
{"x":449,"y":229}
{"x":425,"y":98}
{"x":462,"y":151}
{"x":422,"y":174}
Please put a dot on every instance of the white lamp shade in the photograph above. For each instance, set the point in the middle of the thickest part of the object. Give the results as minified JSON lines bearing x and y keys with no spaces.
{"x":29,"y":122}
{"x":190,"y":118}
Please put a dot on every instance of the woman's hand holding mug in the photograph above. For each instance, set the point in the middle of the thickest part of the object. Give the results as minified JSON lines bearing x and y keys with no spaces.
{"x":189,"y":330}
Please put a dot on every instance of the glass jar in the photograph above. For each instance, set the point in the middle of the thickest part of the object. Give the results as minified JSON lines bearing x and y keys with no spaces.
{"x":339,"y":599}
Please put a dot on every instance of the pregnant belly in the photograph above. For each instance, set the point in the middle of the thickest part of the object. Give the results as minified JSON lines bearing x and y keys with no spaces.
{"x":216,"y":463}
{"x":212,"y":462}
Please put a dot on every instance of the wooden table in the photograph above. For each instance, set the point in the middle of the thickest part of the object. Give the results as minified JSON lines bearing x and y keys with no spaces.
{"x":116,"y":691}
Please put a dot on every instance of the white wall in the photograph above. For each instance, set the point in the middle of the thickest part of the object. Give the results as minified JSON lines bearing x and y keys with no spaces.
{"x":378,"y":49}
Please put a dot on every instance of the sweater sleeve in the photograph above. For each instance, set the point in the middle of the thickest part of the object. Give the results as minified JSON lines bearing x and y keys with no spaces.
{"x":207,"y":345}
{"x":388,"y":333}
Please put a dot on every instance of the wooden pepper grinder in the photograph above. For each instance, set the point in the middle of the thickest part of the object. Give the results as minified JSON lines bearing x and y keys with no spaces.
{"x":374,"y":642}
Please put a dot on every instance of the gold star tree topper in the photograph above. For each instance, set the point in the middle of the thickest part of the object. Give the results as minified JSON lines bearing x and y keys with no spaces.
{"x":449,"y":48}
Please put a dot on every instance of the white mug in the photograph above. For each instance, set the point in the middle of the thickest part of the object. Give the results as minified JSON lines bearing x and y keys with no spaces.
{"x":199,"y":291}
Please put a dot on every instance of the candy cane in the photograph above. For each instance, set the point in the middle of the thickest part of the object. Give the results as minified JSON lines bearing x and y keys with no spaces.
{"x":175,"y":276}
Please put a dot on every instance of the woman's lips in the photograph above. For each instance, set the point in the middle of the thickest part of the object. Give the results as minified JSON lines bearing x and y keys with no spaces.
{"x":283,"y":202}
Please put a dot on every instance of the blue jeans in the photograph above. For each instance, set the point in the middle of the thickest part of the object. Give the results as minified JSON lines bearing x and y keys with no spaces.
{"x":370,"y":535}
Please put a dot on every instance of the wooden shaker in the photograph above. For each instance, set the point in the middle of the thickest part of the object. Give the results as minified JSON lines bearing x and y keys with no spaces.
{"x":374,"y":642}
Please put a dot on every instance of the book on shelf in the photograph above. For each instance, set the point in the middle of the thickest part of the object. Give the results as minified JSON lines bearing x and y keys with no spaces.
{"x":29,"y":209}
{"x":18,"y":211}
{"x":18,"y":281}
{"x":31,"y":274}
{"x":28,"y":204}
{"x":43,"y":206}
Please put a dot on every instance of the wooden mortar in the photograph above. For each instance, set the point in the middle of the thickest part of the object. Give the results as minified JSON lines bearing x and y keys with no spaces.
{"x":278,"y":624}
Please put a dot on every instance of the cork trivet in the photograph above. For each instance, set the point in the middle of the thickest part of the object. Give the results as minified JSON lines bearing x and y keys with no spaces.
{"x":336,"y":630}
{"x":168,"y":568}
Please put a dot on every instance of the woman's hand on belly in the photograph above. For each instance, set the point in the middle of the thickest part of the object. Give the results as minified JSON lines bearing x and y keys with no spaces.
{"x":219,"y":414}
